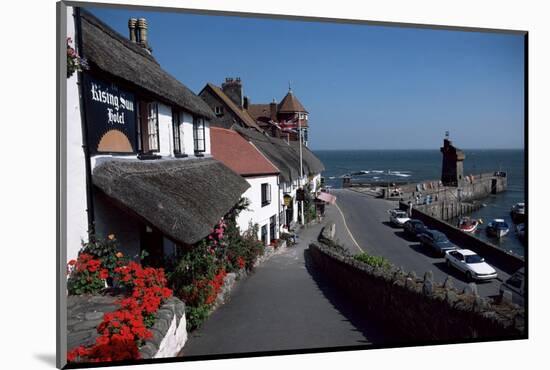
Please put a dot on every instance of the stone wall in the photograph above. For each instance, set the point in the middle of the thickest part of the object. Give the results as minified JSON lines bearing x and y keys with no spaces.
{"x":417,"y":310}
{"x":85,"y":313}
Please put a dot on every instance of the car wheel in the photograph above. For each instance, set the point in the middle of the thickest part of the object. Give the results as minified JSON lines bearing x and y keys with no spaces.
{"x":469,"y":276}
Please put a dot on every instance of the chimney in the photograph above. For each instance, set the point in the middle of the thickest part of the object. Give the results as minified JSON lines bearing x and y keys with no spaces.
{"x":246,"y":102}
{"x":234,"y":90}
{"x":273,"y":110}
{"x":132,"y":22}
{"x":142,"y":32}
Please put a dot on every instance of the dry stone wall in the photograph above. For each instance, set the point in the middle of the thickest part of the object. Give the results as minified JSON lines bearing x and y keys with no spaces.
{"x":416,"y":309}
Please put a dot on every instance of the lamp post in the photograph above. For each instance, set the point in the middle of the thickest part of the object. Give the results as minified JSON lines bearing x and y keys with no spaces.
{"x":301,"y":171}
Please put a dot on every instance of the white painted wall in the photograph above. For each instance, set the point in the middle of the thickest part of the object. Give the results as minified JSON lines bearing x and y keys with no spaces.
{"x":256,"y":213}
{"x":77,"y":218}
{"x":166,"y":133}
{"x":174,"y":340}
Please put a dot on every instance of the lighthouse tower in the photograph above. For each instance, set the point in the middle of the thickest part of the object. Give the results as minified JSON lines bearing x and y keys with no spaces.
{"x":452,"y":171}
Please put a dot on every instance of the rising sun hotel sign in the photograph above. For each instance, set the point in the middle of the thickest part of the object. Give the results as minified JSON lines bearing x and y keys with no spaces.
{"x":110,"y":117}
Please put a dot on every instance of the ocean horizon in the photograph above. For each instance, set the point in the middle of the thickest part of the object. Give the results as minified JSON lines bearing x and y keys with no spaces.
{"x":416,"y":165}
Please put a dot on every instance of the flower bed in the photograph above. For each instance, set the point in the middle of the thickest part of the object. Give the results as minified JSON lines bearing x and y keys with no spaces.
{"x":125,"y":329}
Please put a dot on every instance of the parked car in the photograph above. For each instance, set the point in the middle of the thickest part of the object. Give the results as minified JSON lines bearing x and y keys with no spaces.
{"x":398,"y":217}
{"x":515,"y":284}
{"x":437,"y":241}
{"x":470,"y":264}
{"x":414,"y":227}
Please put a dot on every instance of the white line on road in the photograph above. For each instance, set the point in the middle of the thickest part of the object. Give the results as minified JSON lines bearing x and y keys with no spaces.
{"x":347,"y":228}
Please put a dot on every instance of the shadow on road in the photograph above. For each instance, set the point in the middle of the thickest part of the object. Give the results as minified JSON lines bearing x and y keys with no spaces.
{"x":391,"y":225}
{"x":428,"y":252}
{"x":404,"y":235}
{"x":367,"y":327}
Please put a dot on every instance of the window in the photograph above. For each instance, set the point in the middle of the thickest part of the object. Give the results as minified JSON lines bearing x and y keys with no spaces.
{"x":266,"y":194}
{"x":148,"y":127}
{"x":218,"y":110}
{"x":198,"y":135}
{"x":176,"y":124}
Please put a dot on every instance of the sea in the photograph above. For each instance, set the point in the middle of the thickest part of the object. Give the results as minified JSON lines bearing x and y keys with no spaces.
{"x":418,"y":165}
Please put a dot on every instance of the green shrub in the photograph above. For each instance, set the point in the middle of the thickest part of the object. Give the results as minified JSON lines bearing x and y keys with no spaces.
{"x":195,"y":316}
{"x":374,"y":261}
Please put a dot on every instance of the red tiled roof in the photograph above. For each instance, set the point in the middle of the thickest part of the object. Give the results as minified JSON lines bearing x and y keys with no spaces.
{"x":238,"y":154}
{"x":291,"y":104}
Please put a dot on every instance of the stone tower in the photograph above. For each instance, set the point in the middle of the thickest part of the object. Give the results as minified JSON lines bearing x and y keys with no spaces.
{"x":452,"y":171}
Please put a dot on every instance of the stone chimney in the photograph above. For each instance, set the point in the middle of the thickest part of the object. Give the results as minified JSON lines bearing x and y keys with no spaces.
{"x":273,"y":110}
{"x":234,"y":90}
{"x":142,"y":32}
{"x":132,"y":22}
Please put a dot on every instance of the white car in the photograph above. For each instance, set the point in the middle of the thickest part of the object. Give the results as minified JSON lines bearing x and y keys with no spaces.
{"x":398,"y":217}
{"x":471,"y":264}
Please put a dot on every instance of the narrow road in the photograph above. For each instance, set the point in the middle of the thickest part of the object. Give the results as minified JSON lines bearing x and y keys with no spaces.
{"x":368,"y":221}
{"x":284,"y":305}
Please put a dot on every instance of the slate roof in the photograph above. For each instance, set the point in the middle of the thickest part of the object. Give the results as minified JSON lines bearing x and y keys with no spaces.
{"x":238,"y":154}
{"x":242,"y":114}
{"x":108,"y":51}
{"x":258,"y":111}
{"x":183,"y":198}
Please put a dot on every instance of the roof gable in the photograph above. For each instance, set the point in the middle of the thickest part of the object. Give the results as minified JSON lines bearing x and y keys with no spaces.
{"x":241,"y":114}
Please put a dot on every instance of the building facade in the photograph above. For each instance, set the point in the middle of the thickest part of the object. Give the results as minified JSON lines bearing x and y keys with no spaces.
{"x":138,"y":148}
{"x":244,"y":158}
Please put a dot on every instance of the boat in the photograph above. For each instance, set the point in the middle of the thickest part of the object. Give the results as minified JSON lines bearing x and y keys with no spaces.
{"x":468,"y":225}
{"x":520,"y":230}
{"x":498,"y":228}
{"x":518,"y":213}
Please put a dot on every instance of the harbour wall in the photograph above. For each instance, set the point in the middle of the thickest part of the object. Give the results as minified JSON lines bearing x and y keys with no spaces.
{"x":502,"y":259}
{"x":435,"y":311}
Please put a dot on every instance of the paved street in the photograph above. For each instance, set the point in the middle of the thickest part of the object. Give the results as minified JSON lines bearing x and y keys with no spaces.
{"x":368,"y":221}
{"x":284,"y":305}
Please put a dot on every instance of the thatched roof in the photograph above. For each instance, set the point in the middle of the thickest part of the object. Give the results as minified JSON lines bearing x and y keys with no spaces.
{"x":311,"y":162}
{"x":274,"y":149}
{"x":284,"y":156}
{"x":183,"y":198}
{"x":107,"y":50}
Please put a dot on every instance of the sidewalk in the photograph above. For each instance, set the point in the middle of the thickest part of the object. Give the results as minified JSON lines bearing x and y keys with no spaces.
{"x":284,"y":305}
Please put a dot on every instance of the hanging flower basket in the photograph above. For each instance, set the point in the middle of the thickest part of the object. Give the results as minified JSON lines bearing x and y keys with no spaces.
{"x":74,"y":61}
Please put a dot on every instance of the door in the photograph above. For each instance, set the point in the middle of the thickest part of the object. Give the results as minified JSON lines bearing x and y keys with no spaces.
{"x":151,"y":242}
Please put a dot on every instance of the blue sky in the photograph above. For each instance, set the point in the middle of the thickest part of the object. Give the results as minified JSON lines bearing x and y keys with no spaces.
{"x":366,"y":87}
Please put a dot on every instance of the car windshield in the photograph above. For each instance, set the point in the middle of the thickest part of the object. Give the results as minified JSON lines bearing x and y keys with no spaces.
{"x":474,"y":259}
{"x":400,"y":214}
{"x":441,"y":238}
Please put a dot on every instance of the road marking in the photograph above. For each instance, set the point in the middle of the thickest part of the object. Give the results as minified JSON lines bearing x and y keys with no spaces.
{"x":347,"y":228}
